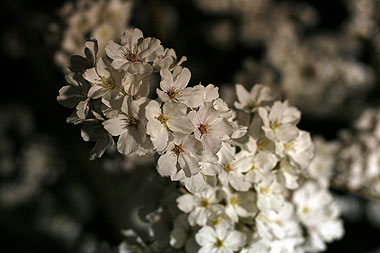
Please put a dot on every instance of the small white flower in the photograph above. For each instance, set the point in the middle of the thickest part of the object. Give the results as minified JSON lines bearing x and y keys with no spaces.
{"x":231,"y":174}
{"x":106,"y":82}
{"x":201,"y":206}
{"x":173,"y":87}
{"x":194,"y":184}
{"x":259,"y":95}
{"x":135,"y":54}
{"x":221,"y":239}
{"x":279,"y":121}
{"x":257,"y":139}
{"x":258,"y":167}
{"x":130,"y":125}
{"x":318,"y":212}
{"x":171,"y":117}
{"x":270,"y":197}
{"x":240,"y":204}
{"x":182,"y":151}
{"x":300,"y":151}
{"x":209,"y":127}
{"x":167,"y":60}
{"x":209,"y":92}
{"x":273,"y":225}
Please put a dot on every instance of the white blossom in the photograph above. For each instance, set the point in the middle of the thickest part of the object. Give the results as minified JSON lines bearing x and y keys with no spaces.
{"x":130,"y":125}
{"x":173,"y":87}
{"x":201,"y":206}
{"x":221,"y":239}
{"x":106,"y":82}
{"x":135,"y":53}
{"x":279,"y":122}
{"x":182,"y":153}
{"x":209,"y":127}
{"x":259,"y":95}
{"x":161,"y":121}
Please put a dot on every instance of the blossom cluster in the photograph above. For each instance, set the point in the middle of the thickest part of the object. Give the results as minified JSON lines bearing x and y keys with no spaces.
{"x":100,"y":19}
{"x":266,"y":194}
{"x":319,"y":77}
{"x":358,"y":167}
{"x":247,"y":186}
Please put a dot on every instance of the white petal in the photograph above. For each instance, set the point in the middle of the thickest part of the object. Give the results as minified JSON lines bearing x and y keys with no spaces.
{"x":158,"y":134}
{"x":126,"y":143}
{"x":115,"y":125}
{"x":167,"y":164}
{"x":186,"y":203}
{"x":180,"y":124}
{"x":113,"y":50}
{"x":191,"y":162}
{"x":235,"y":240}
{"x":195,"y":183}
{"x":205,"y":235}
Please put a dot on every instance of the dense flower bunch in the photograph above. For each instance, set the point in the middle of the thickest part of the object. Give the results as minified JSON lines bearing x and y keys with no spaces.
{"x":100,"y":19}
{"x":358,"y":166}
{"x":248,"y":187}
{"x":319,"y":78}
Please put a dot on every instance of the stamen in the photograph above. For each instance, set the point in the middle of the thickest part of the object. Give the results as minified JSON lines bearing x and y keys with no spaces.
{"x":107,"y":82}
{"x":178,"y":149}
{"x":219,"y":243}
{"x":163,"y":120}
{"x":204,"y":202}
{"x":203,"y":128}
{"x":234,"y":201}
{"x":172,"y":93}
{"x":227,"y":167}
{"x":130,"y":55}
{"x":131,"y":121}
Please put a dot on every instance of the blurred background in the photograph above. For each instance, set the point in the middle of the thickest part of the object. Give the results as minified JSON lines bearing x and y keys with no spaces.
{"x":322,"y":55}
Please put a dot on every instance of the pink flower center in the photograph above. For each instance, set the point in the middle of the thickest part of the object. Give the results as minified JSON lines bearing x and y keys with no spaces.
{"x":178,"y":149}
{"x":203,"y":128}
{"x":172,"y":93}
{"x":130,"y":55}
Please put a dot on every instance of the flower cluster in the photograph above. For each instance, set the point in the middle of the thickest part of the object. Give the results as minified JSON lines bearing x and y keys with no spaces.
{"x":261,"y":200}
{"x":358,"y":167}
{"x":248,"y":187}
{"x":102,"y":20}
{"x":319,"y":77}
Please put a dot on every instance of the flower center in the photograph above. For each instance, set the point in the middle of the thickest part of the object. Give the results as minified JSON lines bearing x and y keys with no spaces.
{"x":203,"y":128}
{"x":306,"y":210}
{"x":178,"y":149}
{"x":163,"y":119}
{"x":264,"y":190}
{"x":172,"y":93}
{"x":234,"y":201}
{"x":217,"y":221}
{"x":131,"y":121}
{"x":204,"y":202}
{"x":274,"y":125}
{"x":289,"y":147}
{"x":129,"y":55}
{"x":107,"y":82}
{"x":227,"y":167}
{"x":219,"y":243}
